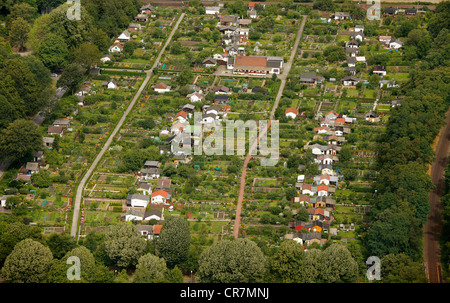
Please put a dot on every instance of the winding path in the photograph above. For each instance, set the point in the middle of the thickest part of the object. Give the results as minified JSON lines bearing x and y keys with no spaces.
{"x":81,"y":185}
{"x":283,"y":77}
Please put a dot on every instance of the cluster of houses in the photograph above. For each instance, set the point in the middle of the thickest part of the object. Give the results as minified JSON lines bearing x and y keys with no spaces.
{"x":59,"y":127}
{"x":235,"y":33}
{"x":317,"y":193}
{"x":145,"y":196}
{"x":146,"y":12}
{"x":187,"y":136}
{"x":389,"y":43}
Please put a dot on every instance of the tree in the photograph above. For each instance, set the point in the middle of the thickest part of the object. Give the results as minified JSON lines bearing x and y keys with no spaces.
{"x":27,"y":263}
{"x":60,"y":244}
{"x":8,"y":112}
{"x":334,"y":53}
{"x":59,"y":268}
{"x":309,"y":270}
{"x":337,"y":265}
{"x":323,"y":5}
{"x":87,"y":54}
{"x":71,"y":77}
{"x":147,"y":123}
{"x":286,"y":263}
{"x":100,"y":39}
{"x":185,"y":77}
{"x":174,"y":275}
{"x":19,"y":140}
{"x":129,"y":48}
{"x":346,"y":153}
{"x":394,"y":231}
{"x":232,"y":261}
{"x":87,"y":261}
{"x":290,"y":193}
{"x":150,"y":269}
{"x":19,"y":33}
{"x":13,"y":233}
{"x":21,"y":10}
{"x":302,"y":214}
{"x":25,"y":84}
{"x":174,"y":240}
{"x":41,"y":179}
{"x":401,"y":268}
{"x":237,"y":7}
{"x":53,"y":52}
{"x":124,"y":245}
{"x":40,"y":72}
{"x":265,"y":24}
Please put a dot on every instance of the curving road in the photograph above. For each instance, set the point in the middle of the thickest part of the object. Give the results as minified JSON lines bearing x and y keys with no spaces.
{"x":81,"y":185}
{"x":432,"y":229}
{"x":283,"y":77}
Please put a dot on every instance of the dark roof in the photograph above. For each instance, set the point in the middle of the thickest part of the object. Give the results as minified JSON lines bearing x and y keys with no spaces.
{"x":152,"y":212}
{"x":138,"y":196}
{"x":221,"y":97}
{"x":350,"y":78}
{"x":273,"y":63}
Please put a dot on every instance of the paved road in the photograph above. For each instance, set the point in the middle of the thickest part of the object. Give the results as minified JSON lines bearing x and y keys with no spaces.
{"x":283,"y":76}
{"x":79,"y":191}
{"x":433,"y":227}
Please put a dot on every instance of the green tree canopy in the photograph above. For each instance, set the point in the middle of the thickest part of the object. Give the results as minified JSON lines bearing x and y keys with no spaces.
{"x":19,"y":140}
{"x":124,"y":245}
{"x":337,"y":265}
{"x":401,"y":268}
{"x":286,"y":263}
{"x":174,"y":240}
{"x":27,"y":263}
{"x":150,"y":269}
{"x":232,"y":261}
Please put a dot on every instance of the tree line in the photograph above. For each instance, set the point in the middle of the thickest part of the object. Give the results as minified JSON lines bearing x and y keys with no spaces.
{"x":405,"y":152}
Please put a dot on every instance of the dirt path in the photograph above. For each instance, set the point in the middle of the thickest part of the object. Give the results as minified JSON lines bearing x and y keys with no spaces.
{"x":81,"y":185}
{"x":432,"y":229}
{"x":283,"y":76}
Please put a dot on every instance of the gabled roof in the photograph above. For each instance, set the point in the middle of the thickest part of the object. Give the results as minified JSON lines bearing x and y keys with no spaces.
{"x":209,"y":60}
{"x":153,"y":212}
{"x":161,"y":85}
{"x":138,"y":197}
{"x":157,"y":229}
{"x":151,"y":163}
{"x":55,"y":129}
{"x":160,"y":193}
{"x":182,"y":114}
{"x":34,"y":166}
{"x":322,"y":187}
{"x":350,"y":78}
{"x":292,"y":110}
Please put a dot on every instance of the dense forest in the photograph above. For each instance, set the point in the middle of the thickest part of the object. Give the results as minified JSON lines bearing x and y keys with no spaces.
{"x":57,"y":44}
{"x":405,"y":152}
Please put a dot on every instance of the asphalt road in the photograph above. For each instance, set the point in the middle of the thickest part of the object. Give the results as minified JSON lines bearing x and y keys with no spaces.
{"x":81,"y":185}
{"x":283,"y":76}
{"x":432,"y":229}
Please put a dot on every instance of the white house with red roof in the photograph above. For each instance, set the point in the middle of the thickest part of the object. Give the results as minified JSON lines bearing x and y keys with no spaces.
{"x":291,"y":113}
{"x":322,"y":190}
{"x":160,"y":197}
{"x":182,"y":116}
{"x":177,"y":128}
{"x":161,"y":88}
